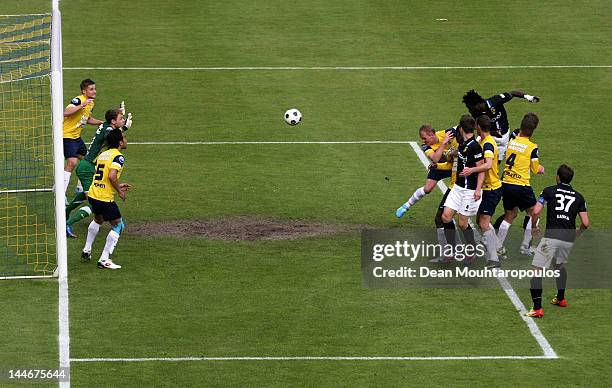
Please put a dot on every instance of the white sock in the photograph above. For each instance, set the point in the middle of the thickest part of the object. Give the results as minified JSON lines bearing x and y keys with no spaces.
{"x":92,"y":232}
{"x":418,"y":194}
{"x":67,"y":175}
{"x":492,"y":244}
{"x":441,"y":238}
{"x":503,"y":232}
{"x":109,"y":247}
{"x":527,"y":235}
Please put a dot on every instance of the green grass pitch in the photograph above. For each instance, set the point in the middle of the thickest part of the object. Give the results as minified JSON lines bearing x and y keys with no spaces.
{"x":179,"y":297}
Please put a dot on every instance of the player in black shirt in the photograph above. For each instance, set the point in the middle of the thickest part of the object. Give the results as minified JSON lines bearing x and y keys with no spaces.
{"x":465,"y":196}
{"x":563,"y":205}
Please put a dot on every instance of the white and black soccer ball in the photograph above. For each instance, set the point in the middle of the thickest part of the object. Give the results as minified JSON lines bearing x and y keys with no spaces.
{"x":293,"y":116}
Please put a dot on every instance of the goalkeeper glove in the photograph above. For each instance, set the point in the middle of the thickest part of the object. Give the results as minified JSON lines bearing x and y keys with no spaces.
{"x":531,"y":98}
{"x":122,"y":107}
{"x":128,"y":122}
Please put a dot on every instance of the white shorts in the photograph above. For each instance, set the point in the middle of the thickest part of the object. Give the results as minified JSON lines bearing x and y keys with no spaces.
{"x":462,"y":201}
{"x":550,"y":249}
{"x":502,"y":145}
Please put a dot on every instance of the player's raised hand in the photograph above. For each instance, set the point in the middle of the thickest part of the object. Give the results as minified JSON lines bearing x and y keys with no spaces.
{"x":122,"y":107}
{"x":531,"y":98}
{"x":447,"y":137}
{"x":88,"y":101}
{"x":128,"y":122}
{"x":541,"y":170}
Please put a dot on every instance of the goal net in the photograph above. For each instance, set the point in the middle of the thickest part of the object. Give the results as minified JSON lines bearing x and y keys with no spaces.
{"x":27,"y":202}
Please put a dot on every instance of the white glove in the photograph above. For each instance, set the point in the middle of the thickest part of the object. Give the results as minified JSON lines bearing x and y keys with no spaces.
{"x":531,"y":98}
{"x":128,"y":122}
{"x":122,"y":107}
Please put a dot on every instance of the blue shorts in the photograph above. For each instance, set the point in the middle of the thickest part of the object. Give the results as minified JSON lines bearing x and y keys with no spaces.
{"x":74,"y":147}
{"x":108,"y":210}
{"x":490,"y":200}
{"x":438,"y":175}
{"x":518,"y":196}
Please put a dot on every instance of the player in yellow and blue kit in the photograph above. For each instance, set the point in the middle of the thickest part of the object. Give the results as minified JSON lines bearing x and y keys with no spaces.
{"x":522,"y":160}
{"x":437,"y":145}
{"x":76,"y":115}
{"x":101,"y":197}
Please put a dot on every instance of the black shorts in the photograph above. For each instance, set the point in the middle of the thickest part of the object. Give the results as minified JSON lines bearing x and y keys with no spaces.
{"x":490,"y":200}
{"x":443,"y":200}
{"x":518,"y":196}
{"x":438,"y":175}
{"x":74,"y":147}
{"x":108,"y":210}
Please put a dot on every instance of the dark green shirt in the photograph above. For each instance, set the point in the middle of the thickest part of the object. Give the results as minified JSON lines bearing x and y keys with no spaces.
{"x":98,"y":142}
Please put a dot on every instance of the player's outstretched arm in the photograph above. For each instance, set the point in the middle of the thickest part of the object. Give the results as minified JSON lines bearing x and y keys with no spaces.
{"x":521,"y":94}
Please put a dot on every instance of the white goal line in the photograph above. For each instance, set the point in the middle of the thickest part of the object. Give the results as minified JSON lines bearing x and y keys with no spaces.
{"x":266,"y":142}
{"x":314,"y":358}
{"x":246,"y":68}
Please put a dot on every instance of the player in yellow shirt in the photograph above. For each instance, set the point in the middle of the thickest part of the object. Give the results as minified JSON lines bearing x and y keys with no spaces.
{"x":436,"y":146}
{"x":101,"y":197}
{"x":522,"y":160}
{"x":76,"y":115}
{"x":491,"y":188}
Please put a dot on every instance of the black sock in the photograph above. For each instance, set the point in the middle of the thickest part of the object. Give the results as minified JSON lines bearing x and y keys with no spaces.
{"x":561,"y":280}
{"x":498,"y":222}
{"x":526,"y":221}
{"x":449,"y":233}
{"x":468,"y":233}
{"x":536,"y":292}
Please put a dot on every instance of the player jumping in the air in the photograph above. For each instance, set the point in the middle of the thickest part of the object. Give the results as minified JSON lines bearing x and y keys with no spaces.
{"x":87,"y":167}
{"x":76,"y":115}
{"x":436,"y":145}
{"x":494,"y":108}
{"x":563,"y":205}
{"x":466,"y":195}
{"x":102,"y":198}
{"x":491,"y":188}
{"x":500,"y":127}
{"x":522,"y":160}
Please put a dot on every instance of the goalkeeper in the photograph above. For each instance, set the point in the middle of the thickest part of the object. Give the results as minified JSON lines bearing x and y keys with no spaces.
{"x":86,"y":169}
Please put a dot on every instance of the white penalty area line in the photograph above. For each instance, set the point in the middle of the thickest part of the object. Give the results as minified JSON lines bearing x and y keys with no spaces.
{"x":266,"y":142}
{"x":269,"y":68}
{"x":549,"y":352}
{"x":314,"y":358}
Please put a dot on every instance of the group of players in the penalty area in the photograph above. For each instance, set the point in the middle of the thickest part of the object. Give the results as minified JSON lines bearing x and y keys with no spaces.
{"x":98,"y":169}
{"x":469,"y":154}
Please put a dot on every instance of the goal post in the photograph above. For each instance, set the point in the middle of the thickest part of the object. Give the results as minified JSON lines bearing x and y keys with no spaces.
{"x":32,"y":221}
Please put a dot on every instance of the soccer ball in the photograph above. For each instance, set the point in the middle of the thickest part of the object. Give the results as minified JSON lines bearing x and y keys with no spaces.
{"x":293,"y":116}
